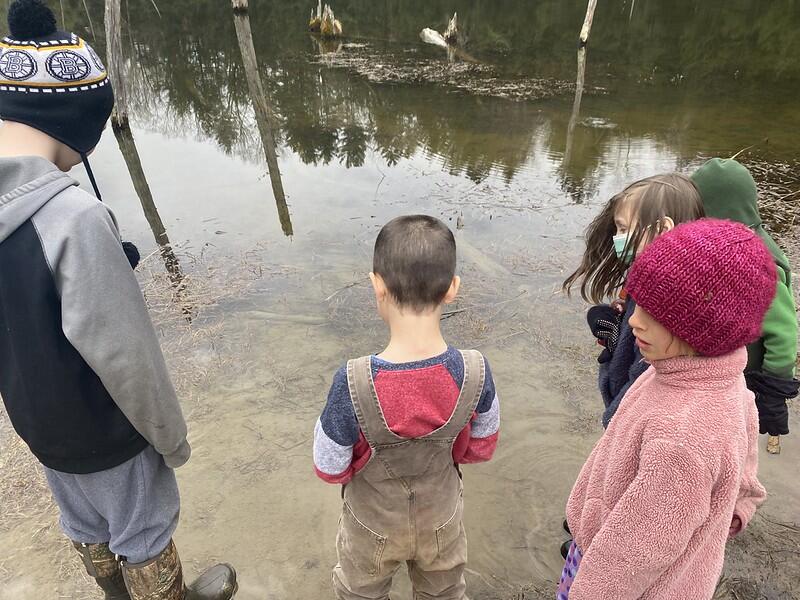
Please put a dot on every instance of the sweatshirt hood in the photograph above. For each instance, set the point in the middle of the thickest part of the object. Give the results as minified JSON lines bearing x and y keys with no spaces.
{"x":26,"y":184}
{"x":729,"y":191}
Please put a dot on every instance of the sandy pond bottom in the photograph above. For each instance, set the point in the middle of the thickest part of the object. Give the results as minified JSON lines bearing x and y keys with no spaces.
{"x":253,"y":384}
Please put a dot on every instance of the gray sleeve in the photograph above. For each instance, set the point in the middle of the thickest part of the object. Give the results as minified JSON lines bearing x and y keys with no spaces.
{"x":105,"y":318}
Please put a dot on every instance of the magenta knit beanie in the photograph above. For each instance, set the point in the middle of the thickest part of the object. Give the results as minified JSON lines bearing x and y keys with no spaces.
{"x":709,"y":282}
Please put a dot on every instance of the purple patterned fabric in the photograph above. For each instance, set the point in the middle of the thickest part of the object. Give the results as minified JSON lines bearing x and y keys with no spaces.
{"x":570,"y":571}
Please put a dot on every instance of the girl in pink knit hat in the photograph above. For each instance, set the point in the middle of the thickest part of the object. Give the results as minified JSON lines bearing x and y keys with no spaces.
{"x":675,"y":474}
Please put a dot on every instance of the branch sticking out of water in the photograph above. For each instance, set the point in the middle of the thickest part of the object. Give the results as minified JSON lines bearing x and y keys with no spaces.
{"x":587,"y":23}
{"x":764,"y":141}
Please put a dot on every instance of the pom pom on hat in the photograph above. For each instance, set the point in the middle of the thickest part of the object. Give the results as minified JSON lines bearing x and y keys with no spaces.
{"x":709,"y":282}
{"x":30,"y":19}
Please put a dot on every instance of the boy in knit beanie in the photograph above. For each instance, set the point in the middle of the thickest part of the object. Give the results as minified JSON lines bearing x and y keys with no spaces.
{"x":82,"y":376}
{"x":729,"y":192}
{"x":675,"y":474}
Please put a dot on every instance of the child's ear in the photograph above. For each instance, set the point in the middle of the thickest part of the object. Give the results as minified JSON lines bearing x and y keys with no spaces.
{"x":452,"y":293}
{"x":379,"y":286}
{"x":666,"y":224}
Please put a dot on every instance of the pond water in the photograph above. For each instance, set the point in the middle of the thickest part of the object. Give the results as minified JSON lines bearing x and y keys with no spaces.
{"x":259,"y":302}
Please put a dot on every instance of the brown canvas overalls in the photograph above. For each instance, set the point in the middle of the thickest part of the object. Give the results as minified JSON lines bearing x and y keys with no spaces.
{"x":406,"y":504}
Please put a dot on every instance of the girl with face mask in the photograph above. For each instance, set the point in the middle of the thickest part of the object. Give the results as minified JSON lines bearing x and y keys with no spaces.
{"x":628,"y":223}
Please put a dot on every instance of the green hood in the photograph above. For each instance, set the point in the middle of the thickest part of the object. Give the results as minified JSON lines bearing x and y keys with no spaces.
{"x":729,"y":192}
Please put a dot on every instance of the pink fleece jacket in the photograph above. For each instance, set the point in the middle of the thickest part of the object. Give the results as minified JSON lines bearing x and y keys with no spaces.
{"x":654,"y":504}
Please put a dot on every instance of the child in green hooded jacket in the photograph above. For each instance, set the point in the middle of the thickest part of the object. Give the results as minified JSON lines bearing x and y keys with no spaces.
{"x":729,"y":192}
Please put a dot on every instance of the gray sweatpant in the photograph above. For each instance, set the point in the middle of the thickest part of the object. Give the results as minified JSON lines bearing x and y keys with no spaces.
{"x":133,"y":506}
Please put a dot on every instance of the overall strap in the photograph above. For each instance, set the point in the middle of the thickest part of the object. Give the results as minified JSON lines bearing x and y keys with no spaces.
{"x":365,"y":403}
{"x":471,"y":390}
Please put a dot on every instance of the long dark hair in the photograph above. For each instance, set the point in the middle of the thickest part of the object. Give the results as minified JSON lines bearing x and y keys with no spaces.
{"x":601,"y":273}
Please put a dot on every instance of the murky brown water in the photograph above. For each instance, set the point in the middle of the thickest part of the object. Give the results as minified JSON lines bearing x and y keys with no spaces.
{"x":275,"y":315}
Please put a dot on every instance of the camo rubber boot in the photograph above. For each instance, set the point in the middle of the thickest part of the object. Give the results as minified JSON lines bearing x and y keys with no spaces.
{"x":161,"y":578}
{"x":103,"y":566}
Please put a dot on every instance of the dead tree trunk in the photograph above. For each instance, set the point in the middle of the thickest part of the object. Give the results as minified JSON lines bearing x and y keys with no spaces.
{"x":130,"y":153}
{"x":118,"y":72}
{"x":264,"y":117}
{"x":117,"y":67}
{"x":587,"y":22}
{"x":576,"y":105}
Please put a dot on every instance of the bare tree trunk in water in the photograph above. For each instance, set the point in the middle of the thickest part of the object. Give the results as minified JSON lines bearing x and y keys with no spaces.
{"x":115,"y":59}
{"x":587,"y":22}
{"x":264,"y":117}
{"x":118,"y":72}
{"x":576,"y":105}
{"x":130,"y":153}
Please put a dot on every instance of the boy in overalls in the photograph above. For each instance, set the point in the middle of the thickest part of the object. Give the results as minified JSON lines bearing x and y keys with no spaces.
{"x":397,"y":425}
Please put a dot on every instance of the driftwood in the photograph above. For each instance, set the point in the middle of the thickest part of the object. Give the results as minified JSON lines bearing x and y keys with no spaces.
{"x":264,"y":117}
{"x":433,"y":37}
{"x":443,"y":40}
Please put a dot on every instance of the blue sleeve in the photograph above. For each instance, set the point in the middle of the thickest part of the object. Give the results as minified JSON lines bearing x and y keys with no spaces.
{"x":489,"y":392}
{"x":338,"y":419}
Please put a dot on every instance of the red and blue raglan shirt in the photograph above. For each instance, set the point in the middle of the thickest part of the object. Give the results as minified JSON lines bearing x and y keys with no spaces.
{"x":416,"y":398}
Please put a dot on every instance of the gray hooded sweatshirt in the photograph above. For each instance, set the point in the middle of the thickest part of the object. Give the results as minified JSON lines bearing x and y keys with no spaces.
{"x":82,"y":375}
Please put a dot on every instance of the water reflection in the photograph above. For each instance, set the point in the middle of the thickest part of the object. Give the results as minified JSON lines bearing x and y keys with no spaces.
{"x":264,"y":117}
{"x":196,"y":73}
{"x":119,"y":68}
{"x":576,"y":105}
{"x":130,"y":153}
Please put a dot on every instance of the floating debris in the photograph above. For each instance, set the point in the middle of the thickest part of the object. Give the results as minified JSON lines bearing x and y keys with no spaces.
{"x":598,"y":123}
{"x":472,"y":78}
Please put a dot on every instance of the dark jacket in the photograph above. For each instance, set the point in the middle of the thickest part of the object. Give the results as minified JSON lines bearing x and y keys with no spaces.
{"x":81,"y":372}
{"x":620,"y":364}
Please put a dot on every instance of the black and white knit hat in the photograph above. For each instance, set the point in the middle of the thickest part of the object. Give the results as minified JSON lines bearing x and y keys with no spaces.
{"x":51,"y":80}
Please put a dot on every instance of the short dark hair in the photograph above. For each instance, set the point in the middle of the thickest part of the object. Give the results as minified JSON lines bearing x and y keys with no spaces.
{"x":415,"y":255}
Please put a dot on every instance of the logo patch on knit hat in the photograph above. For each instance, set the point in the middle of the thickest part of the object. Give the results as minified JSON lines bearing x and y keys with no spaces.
{"x":67,"y":66}
{"x":17,"y":65}
{"x":61,"y":65}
